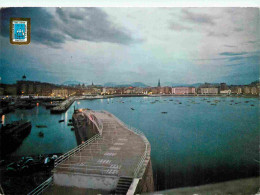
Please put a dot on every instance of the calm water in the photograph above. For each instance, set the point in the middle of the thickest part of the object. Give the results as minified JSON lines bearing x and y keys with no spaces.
{"x":194,"y":143}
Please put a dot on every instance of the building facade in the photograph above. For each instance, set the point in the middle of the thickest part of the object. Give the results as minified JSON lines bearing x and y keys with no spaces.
{"x":210,"y":90}
{"x":183,"y":90}
{"x":60,"y":92}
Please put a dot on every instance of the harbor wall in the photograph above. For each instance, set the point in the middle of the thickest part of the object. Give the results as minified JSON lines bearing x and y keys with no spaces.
{"x":85,"y":132}
{"x":146,"y":183}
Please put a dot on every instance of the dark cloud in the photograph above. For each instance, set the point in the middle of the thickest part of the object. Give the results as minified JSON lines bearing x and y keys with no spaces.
{"x":238,"y":64}
{"x":91,"y":24}
{"x":214,"y":34}
{"x":235,"y":58}
{"x":232,"y":53}
{"x":179,"y":27}
{"x":198,"y":17}
{"x":252,"y":59}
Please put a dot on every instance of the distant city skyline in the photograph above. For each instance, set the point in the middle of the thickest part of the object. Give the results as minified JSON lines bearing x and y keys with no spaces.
{"x":127,"y":45}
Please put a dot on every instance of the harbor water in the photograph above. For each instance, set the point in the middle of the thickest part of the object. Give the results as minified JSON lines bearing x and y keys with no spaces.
{"x":194,"y":140}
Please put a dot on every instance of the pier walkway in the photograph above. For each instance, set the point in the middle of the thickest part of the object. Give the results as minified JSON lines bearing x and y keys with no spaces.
{"x":112,"y":161}
{"x":63,"y":106}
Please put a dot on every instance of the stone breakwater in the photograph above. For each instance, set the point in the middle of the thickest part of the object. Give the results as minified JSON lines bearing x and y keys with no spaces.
{"x":64,"y":106}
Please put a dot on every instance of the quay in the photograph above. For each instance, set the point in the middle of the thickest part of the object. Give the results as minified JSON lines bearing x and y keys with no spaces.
{"x":63,"y":107}
{"x":116,"y":160}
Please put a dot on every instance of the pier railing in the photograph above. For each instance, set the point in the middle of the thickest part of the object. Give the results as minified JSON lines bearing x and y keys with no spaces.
{"x":80,"y":147}
{"x":42,"y":187}
{"x":92,"y":169}
{"x":140,"y":133}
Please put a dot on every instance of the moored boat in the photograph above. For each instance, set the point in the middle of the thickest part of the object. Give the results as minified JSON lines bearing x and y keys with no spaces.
{"x":12,"y":135}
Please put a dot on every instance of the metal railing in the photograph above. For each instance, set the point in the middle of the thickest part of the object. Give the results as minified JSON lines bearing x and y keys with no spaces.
{"x":96,"y":170}
{"x":80,"y":147}
{"x":42,"y":187}
{"x":140,"y":133}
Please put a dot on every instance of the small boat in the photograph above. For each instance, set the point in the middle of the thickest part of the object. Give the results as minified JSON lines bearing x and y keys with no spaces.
{"x":180,"y":103}
{"x":252,"y":105}
{"x":164,"y":112}
{"x":70,"y":124}
{"x":40,"y":134}
{"x":70,"y":120}
{"x":132,"y":109}
{"x":72,"y":129}
{"x":60,"y":121}
{"x":41,"y":126}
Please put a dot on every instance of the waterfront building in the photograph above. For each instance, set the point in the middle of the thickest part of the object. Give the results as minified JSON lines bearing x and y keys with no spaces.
{"x":161,"y":90}
{"x":225,"y":91}
{"x":34,"y":88}
{"x":183,"y":90}
{"x":129,"y":90}
{"x":60,"y":92}
{"x":154,"y":90}
{"x":138,"y":90}
{"x":165,"y":90}
{"x":253,"y":90}
{"x":10,"y":89}
{"x":236,"y":89}
{"x":246,"y":90}
{"x":210,"y":90}
{"x":223,"y":86}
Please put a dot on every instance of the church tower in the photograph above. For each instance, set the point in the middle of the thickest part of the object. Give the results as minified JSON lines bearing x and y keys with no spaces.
{"x":159,"y":84}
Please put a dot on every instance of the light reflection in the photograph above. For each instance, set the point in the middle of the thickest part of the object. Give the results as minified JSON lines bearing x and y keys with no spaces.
{"x":66,"y":117}
{"x":3,"y":119}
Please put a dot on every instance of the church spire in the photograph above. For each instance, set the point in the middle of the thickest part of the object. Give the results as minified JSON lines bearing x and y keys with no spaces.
{"x":159,"y":84}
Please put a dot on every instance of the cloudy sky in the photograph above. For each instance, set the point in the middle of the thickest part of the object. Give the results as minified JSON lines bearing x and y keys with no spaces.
{"x":125,"y":45}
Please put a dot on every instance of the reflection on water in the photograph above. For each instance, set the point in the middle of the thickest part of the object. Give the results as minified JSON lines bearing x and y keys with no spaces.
{"x":3,"y":119}
{"x":194,"y":143}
